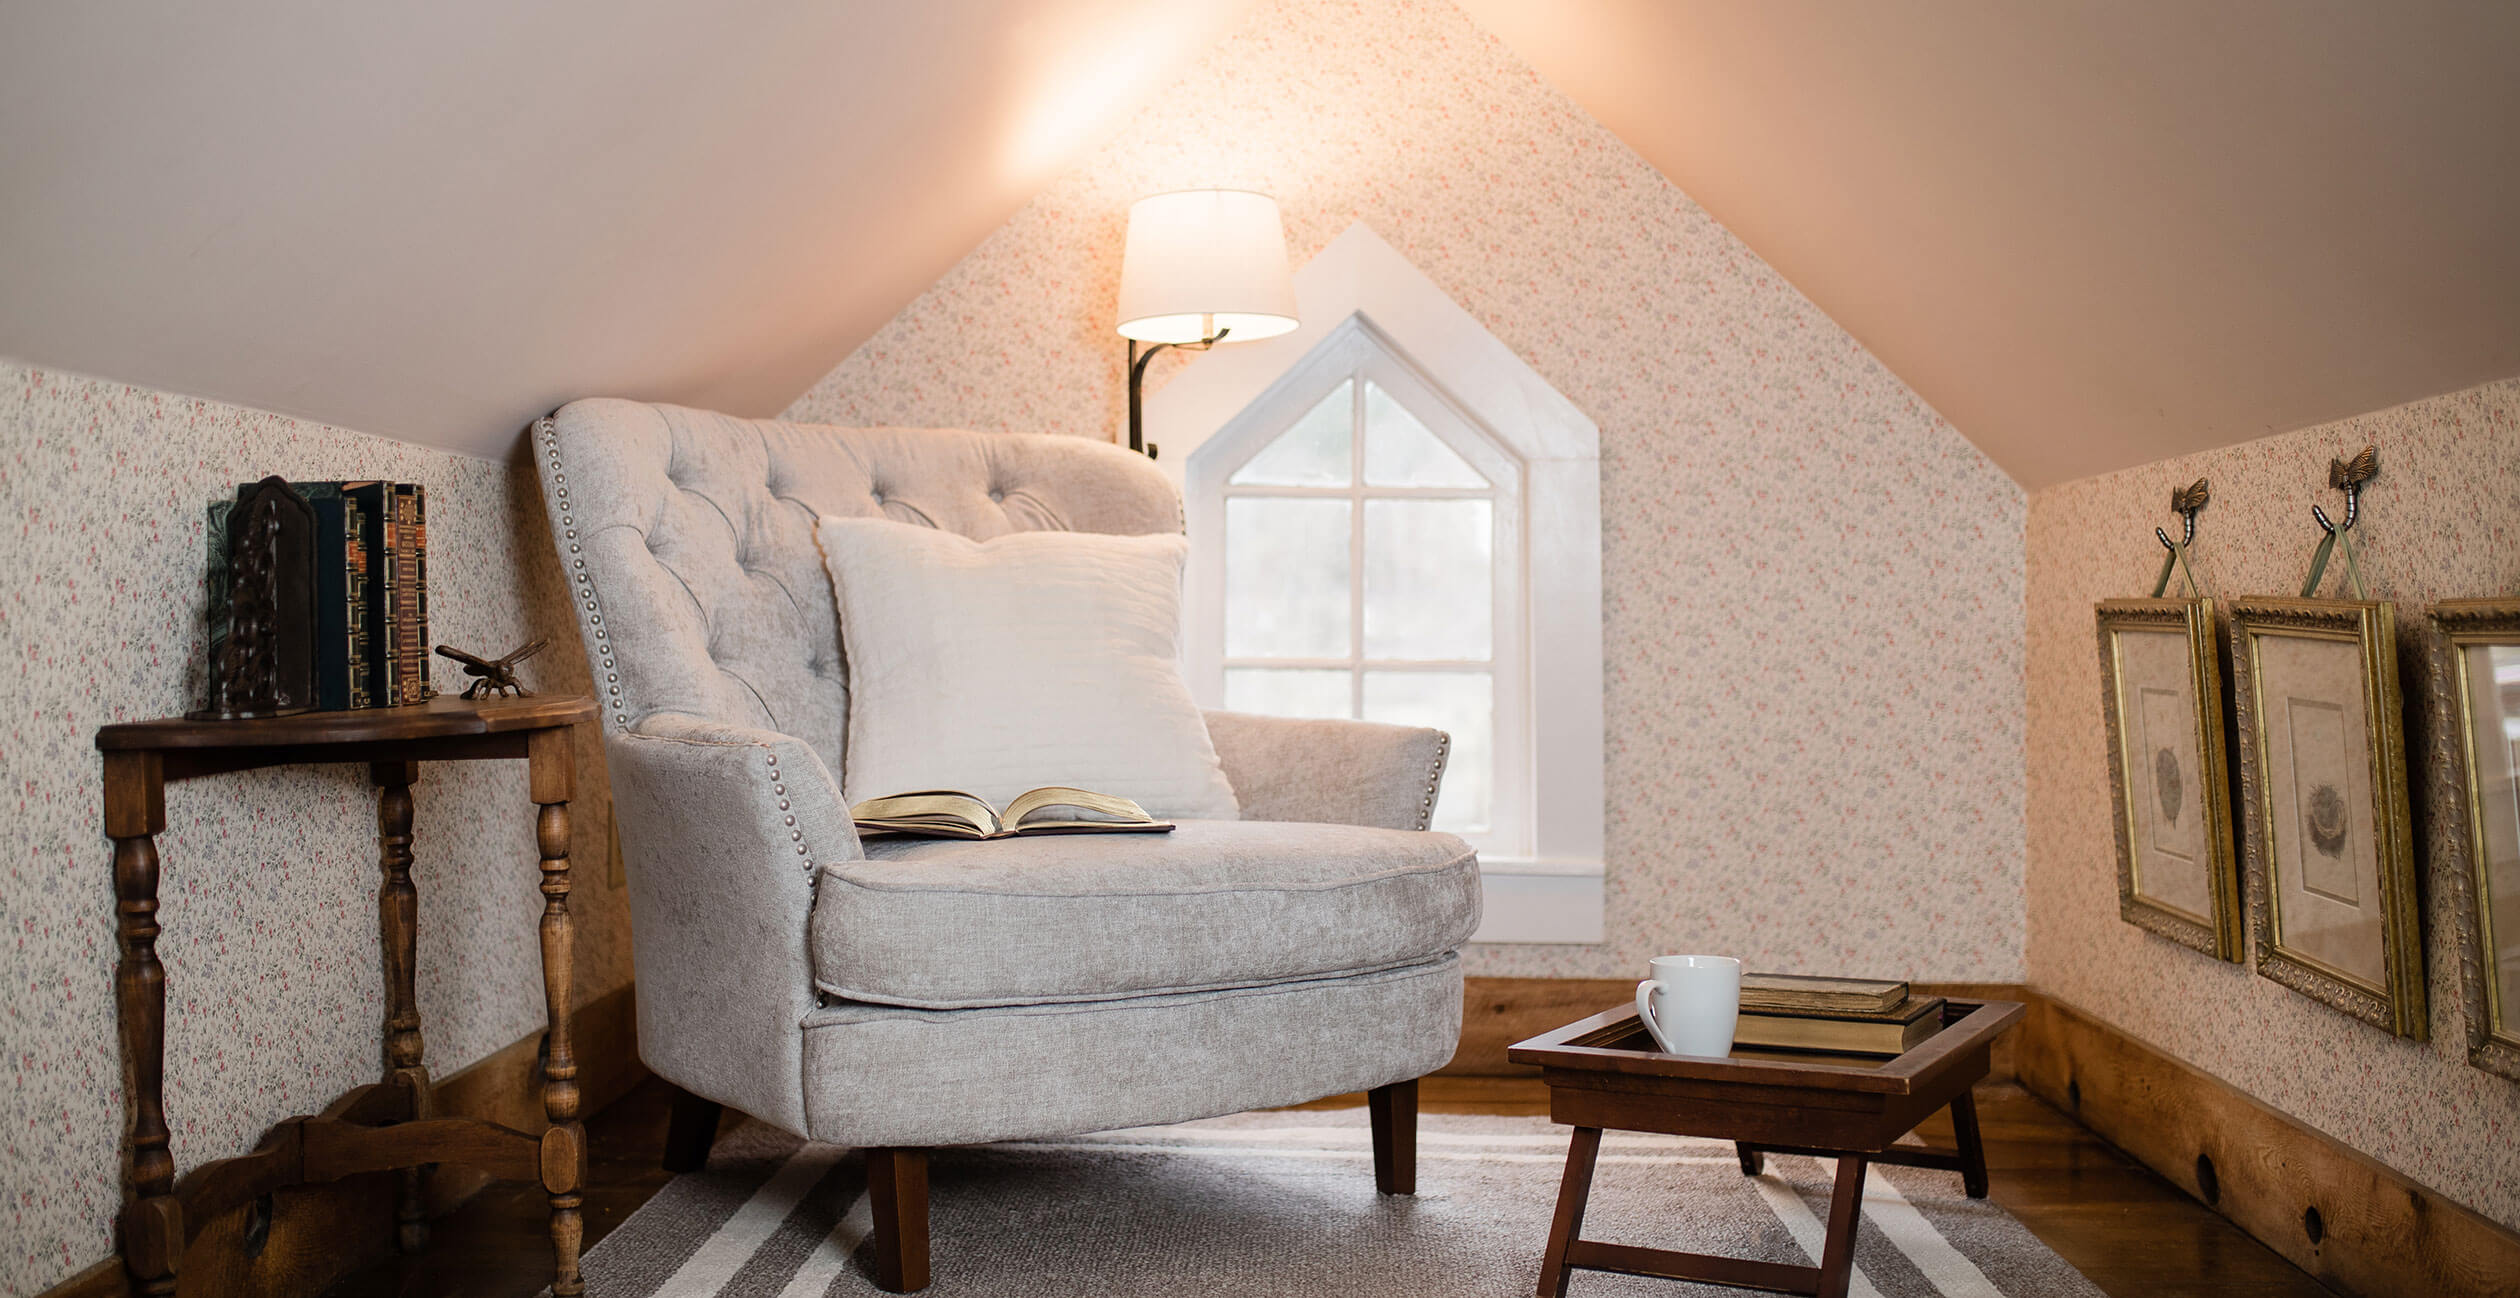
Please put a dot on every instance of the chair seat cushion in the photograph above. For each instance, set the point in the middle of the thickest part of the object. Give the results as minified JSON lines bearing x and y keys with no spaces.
{"x":947,"y":924}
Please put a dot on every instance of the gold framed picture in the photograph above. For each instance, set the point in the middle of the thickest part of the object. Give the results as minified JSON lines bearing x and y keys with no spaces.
{"x":2329,"y":847}
{"x":2161,"y":684}
{"x":2476,"y":760}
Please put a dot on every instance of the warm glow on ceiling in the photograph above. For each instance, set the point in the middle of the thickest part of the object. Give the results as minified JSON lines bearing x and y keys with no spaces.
{"x":1085,"y":66}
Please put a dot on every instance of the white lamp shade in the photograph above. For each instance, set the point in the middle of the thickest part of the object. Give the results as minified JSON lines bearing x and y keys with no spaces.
{"x":1202,"y":260}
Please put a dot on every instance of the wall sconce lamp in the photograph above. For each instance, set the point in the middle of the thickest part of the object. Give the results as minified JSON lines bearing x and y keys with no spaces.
{"x":1200,"y":264}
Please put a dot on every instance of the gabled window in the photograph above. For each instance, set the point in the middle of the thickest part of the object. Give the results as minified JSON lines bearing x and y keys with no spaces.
{"x":1392,"y":516}
{"x":1371,"y":568}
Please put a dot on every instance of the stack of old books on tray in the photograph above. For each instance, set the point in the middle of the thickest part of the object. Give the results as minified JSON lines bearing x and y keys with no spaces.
{"x":1839,"y":1016}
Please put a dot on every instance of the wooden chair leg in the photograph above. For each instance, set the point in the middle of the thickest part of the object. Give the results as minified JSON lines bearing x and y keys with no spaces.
{"x":1964,"y":1127}
{"x":690,"y":1132}
{"x":897,"y":1190}
{"x":1394,"y":1110}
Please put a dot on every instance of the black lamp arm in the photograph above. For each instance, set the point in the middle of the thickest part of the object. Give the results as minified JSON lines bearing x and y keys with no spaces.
{"x":1137,"y":380}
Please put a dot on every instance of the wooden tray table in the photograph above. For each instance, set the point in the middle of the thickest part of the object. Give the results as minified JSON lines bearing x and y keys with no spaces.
{"x":1605,"y":1072}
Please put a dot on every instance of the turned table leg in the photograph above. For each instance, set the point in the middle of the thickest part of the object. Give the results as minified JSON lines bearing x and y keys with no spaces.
{"x":398,"y":932}
{"x":552,"y":776}
{"x":153,"y":1222}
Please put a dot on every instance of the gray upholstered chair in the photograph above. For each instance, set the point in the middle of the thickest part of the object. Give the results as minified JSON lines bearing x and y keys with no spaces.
{"x":899,"y":996}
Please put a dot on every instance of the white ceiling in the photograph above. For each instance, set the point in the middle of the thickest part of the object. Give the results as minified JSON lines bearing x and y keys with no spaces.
{"x":437,"y":220}
{"x":2091,"y":232}
{"x":2094,"y":233}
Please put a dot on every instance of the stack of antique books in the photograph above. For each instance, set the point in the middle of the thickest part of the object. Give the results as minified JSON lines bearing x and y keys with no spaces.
{"x":1844,"y":1016}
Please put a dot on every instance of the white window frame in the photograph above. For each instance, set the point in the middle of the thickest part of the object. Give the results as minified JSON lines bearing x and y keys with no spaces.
{"x":1359,"y":291}
{"x":1355,"y":352}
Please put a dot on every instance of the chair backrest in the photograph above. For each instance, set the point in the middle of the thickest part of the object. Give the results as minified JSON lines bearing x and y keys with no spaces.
{"x":687,"y":538}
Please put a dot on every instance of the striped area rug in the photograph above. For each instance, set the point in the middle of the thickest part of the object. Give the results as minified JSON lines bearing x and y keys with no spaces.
{"x":1282,"y":1205}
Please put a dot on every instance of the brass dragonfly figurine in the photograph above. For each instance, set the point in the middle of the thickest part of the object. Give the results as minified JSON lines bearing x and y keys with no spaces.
{"x":497,"y":675}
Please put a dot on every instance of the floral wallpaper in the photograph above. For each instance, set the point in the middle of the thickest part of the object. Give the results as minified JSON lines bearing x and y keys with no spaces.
{"x":1826,"y":676}
{"x":1813,"y":584}
{"x":2441,"y":522}
{"x":268,"y":886}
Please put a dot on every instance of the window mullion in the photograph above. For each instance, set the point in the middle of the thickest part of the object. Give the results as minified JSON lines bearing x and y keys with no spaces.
{"x":1368,"y":664}
{"x":1271,"y":491}
{"x":1356,"y":545}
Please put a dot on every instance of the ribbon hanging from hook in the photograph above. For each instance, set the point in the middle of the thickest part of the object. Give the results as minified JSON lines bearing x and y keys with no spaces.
{"x":2177,"y":558}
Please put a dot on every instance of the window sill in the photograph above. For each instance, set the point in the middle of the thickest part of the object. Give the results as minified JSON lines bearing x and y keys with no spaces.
{"x":1540,"y":900}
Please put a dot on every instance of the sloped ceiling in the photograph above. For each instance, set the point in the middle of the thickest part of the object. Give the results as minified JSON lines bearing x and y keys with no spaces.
{"x":2094,"y":233}
{"x":2091,"y":232}
{"x":434,"y":221}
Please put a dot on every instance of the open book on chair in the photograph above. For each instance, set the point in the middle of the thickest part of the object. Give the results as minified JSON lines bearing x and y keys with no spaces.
{"x":1057,"y":809}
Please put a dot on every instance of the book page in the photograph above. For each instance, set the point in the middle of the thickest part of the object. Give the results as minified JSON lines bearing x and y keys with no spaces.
{"x":931,"y":804}
{"x":1072,"y":804}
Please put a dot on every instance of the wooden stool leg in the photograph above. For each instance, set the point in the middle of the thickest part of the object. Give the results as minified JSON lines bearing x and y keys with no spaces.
{"x":1964,"y":1125}
{"x":552,"y":776}
{"x":690,"y":1132}
{"x":1573,"y":1193}
{"x":897,"y":1190}
{"x":398,"y":933}
{"x":153,"y":1222}
{"x":1752,"y":1161}
{"x":1393,"y":1111}
{"x":1837,"y":1254}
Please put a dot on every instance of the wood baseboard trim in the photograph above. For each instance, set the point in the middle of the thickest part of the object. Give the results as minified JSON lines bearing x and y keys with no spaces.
{"x":103,"y":1280}
{"x":505,"y":1086}
{"x":2380,"y":1235}
{"x":319,"y":1233}
{"x":2377,"y":1234}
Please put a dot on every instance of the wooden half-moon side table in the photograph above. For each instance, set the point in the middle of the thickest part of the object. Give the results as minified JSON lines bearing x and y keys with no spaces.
{"x":391,"y":1124}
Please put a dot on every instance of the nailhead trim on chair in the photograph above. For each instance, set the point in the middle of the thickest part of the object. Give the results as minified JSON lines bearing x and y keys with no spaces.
{"x":1434,"y":780}
{"x":778,"y":789}
{"x":549,"y":434}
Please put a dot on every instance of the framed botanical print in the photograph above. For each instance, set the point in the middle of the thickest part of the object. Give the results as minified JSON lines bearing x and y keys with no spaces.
{"x":2329,"y":844}
{"x":2161,"y":683}
{"x":2476,"y":677}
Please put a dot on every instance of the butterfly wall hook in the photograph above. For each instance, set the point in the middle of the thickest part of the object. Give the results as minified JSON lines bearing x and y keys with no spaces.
{"x":2348,"y":476}
{"x":2185,"y":502}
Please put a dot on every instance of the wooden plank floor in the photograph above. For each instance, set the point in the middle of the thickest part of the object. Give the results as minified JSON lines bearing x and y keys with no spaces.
{"x":2133,"y":1233}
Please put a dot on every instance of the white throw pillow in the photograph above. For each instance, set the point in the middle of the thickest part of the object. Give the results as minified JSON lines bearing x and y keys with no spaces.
{"x":1030,"y":659}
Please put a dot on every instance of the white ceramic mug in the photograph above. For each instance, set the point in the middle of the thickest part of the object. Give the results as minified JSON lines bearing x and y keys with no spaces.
{"x":1691,"y":1004}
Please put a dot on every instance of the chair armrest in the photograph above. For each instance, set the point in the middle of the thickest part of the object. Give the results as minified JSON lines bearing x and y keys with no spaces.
{"x":722,"y":829}
{"x":1340,"y":772}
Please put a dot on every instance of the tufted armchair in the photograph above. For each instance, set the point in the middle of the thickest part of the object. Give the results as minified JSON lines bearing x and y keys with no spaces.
{"x":904,"y":995}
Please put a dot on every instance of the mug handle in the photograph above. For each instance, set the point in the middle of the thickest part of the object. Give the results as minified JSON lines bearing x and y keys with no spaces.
{"x":1645,"y":1015}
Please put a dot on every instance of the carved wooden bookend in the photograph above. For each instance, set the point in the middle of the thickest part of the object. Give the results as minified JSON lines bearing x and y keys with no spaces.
{"x":266,"y":665}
